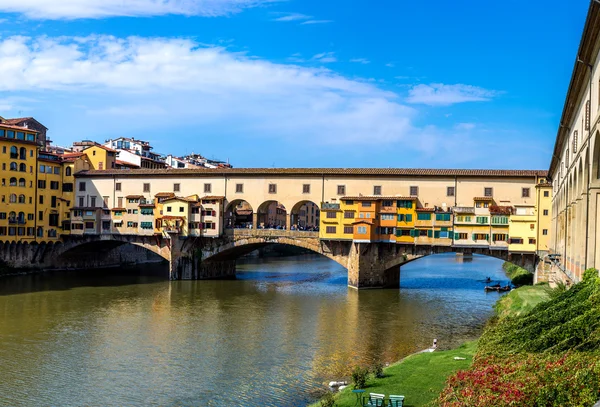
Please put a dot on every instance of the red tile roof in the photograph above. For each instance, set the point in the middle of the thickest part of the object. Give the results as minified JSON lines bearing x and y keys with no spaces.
{"x":483,"y":198}
{"x":425,"y":209}
{"x":316,"y":172}
{"x":14,"y":127}
{"x":164,"y":195}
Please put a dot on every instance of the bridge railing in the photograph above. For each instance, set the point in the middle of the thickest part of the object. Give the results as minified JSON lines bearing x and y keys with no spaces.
{"x":271,"y":233}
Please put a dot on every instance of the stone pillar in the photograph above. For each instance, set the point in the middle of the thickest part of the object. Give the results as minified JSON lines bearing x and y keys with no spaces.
{"x":189,"y":265}
{"x":288,"y":221}
{"x":367,"y":267}
{"x":254,"y":220}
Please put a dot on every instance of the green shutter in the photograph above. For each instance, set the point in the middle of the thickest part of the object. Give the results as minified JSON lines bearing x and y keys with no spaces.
{"x":436,"y":234}
{"x":409,"y":217}
{"x":429,"y":233}
{"x":473,"y":237}
{"x":456,"y":236}
{"x":487,"y":237}
{"x":444,"y":229}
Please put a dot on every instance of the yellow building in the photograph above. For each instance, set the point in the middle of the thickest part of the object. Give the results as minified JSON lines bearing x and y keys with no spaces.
{"x":405,"y":214}
{"x":175,"y":217}
{"x":100,"y":157}
{"x":331,"y":222}
{"x":51,"y":207}
{"x":544,"y":215}
{"x":18,"y":152}
{"x":522,"y":229}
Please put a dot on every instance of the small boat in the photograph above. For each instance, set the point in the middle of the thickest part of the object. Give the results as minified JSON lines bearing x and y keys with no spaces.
{"x":488,"y":280}
{"x":497,"y":287}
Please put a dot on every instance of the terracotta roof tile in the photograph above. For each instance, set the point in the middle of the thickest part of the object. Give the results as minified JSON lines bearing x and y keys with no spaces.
{"x":213,"y":197}
{"x":164,"y":195}
{"x":483,"y":198}
{"x":425,"y":209}
{"x":134,"y":196}
{"x":317,"y":172}
{"x":20,"y":128}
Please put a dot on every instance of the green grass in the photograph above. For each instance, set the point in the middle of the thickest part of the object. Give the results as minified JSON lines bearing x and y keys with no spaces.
{"x":518,"y":275}
{"x":522,"y":300}
{"x":420,"y":378}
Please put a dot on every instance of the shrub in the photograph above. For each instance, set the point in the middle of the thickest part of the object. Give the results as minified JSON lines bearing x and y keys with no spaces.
{"x":377,"y":370}
{"x":328,"y":401}
{"x":359,"y":377}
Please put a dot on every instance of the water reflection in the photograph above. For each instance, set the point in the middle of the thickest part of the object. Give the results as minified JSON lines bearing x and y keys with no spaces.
{"x":269,"y":338}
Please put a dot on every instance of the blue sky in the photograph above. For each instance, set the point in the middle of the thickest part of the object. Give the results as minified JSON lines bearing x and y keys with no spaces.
{"x":390,"y":83}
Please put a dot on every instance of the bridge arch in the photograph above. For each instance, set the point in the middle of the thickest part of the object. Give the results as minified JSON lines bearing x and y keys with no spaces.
{"x":305,"y":215}
{"x":238,"y":214}
{"x":272,"y":214}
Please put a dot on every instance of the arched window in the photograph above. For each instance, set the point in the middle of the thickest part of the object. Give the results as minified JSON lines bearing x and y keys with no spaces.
{"x":13,"y":182}
{"x":12,"y":216}
{"x":13,"y":166}
{"x":68,"y":172}
{"x":14,"y":153}
{"x":21,"y":198}
{"x":12,"y":198}
{"x":22,"y":167}
{"x":21,"y":217}
{"x":23,"y":153}
{"x":21,"y":182}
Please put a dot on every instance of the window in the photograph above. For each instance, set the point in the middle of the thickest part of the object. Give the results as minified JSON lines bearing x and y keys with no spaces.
{"x":341,"y":189}
{"x":331,"y":215}
{"x":82,"y":186}
{"x":30,"y":216}
{"x":377,"y":190}
{"x":361,"y":230}
{"x":41,"y":215}
{"x":587,"y":115}
{"x":22,"y":182}
{"x":272,"y":188}
{"x":22,"y":199}
{"x":482,"y":220}
{"x":12,"y":198}
{"x":118,"y":186}
{"x":488,"y":192}
{"x":525,"y":192}
{"x":53,"y":219}
{"x":480,"y":236}
{"x":349,"y":215}
{"x":460,"y":236}
{"x":405,"y":217}
{"x":56,"y":170}
{"x":423,"y":216}
{"x":181,"y":208}
{"x":366,"y":204}
{"x":207,"y":188}
{"x":53,"y":202}
{"x":306,"y":188}
{"x":348,"y":230}
{"x":515,"y":240}
{"x":387,"y":216}
{"x":545,"y":232}
{"x":89,"y":225}
{"x":146,"y":187}
{"x":387,"y":204}
{"x":546,"y":194}
{"x":531,"y":241}
{"x":54,"y":185}
{"x":81,"y":201}
{"x":68,"y":171}
{"x":500,"y":220}
{"x":414,"y":191}
{"x":22,"y":167}
{"x":545,"y":212}
{"x":442,"y":217}
{"x":168,"y":209}
{"x":13,"y":166}
{"x":239,"y":188}
{"x":450,"y":191}
{"x":330,"y":229}
{"x":93,"y":201}
{"x":574,"y":142}
{"x":404,"y":204}
{"x":403,"y":232}
{"x":499,"y":237}
{"x":176,"y":187}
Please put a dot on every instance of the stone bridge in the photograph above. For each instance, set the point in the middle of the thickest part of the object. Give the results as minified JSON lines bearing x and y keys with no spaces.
{"x":369,"y":265}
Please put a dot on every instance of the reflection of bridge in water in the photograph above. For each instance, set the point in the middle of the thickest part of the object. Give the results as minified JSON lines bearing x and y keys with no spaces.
{"x":369,"y":265}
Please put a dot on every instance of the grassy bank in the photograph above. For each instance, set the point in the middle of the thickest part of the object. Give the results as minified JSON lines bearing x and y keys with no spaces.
{"x":522,"y":300}
{"x":549,"y":356}
{"x":518,"y":275}
{"x":420,"y":378}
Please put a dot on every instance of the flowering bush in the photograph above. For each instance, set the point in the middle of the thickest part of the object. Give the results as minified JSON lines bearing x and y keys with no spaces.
{"x":526,"y":380}
{"x":549,"y":357}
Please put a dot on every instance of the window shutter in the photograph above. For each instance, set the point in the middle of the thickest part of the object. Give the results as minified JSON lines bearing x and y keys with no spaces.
{"x":473,"y":236}
{"x":487,"y":237}
{"x":456,"y":236}
{"x":436,"y":234}
{"x":409,"y":218}
{"x":429,"y":233}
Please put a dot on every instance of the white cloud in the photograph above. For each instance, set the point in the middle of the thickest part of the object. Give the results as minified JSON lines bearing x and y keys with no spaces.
{"x":325,"y":57}
{"x":465,"y":126}
{"x":444,"y":95}
{"x":103,"y":83}
{"x":360,"y":61}
{"x":316,"y":22}
{"x":74,"y":9}
{"x":292,"y":17}
{"x":390,"y":65}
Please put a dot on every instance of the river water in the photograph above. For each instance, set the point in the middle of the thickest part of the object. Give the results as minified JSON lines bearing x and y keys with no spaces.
{"x":270,"y":338}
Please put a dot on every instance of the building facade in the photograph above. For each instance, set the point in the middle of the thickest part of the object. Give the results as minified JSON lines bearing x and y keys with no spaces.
{"x":574,"y":171}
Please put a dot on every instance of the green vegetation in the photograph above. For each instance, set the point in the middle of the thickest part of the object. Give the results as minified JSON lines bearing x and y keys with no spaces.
{"x":518,"y":275}
{"x":522,"y":300}
{"x":546,"y":357}
{"x":420,"y":378}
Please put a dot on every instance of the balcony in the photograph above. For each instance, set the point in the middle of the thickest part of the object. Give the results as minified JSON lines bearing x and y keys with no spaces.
{"x":16,"y":221}
{"x":330,"y":206}
{"x":465,"y":209}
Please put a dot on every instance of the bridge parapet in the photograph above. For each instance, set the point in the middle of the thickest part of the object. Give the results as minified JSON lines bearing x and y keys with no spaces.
{"x":266,"y":233}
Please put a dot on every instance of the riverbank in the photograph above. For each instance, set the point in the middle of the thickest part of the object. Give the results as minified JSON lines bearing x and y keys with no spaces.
{"x":422,"y":377}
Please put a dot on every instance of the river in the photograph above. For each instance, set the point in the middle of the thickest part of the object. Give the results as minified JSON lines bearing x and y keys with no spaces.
{"x":269,"y":338}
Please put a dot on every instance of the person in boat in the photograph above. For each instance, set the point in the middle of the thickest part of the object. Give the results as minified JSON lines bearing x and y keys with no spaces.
{"x":488,"y":280}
